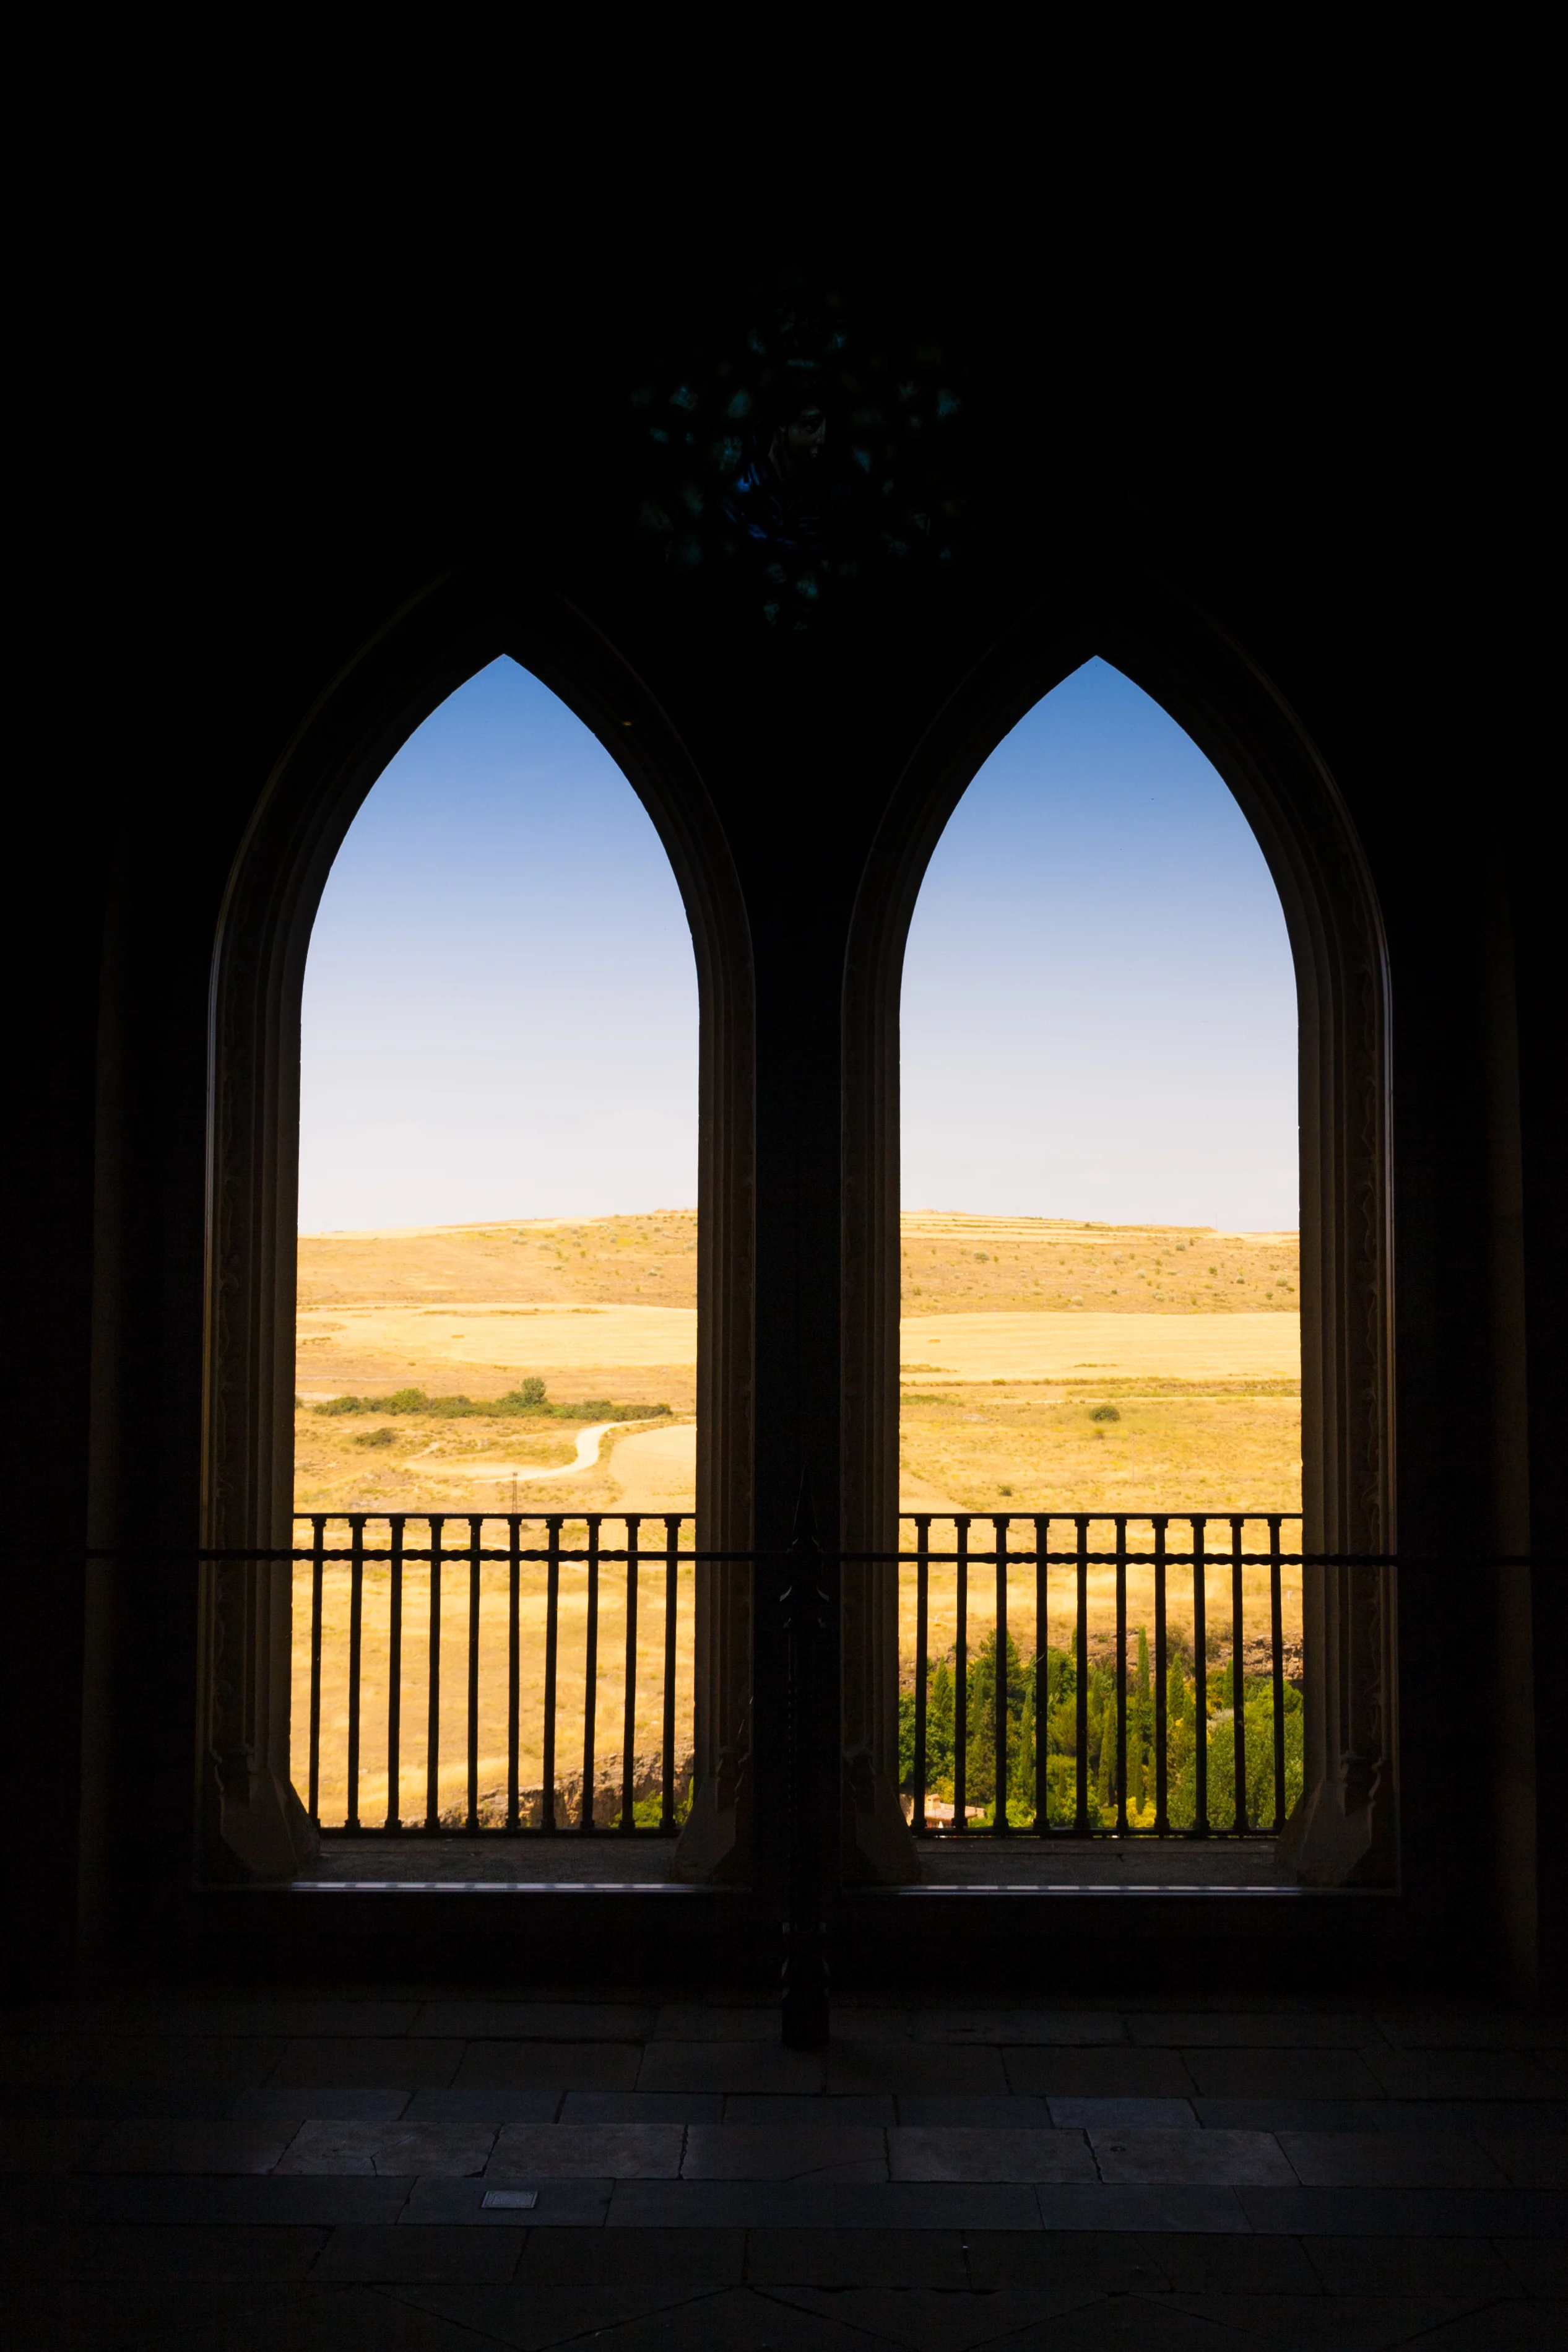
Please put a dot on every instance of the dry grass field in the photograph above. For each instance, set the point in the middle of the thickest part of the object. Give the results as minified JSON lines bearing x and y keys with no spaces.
{"x":1045,"y":1366}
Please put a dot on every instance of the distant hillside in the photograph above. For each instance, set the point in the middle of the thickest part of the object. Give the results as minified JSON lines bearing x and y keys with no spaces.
{"x":951,"y":1260}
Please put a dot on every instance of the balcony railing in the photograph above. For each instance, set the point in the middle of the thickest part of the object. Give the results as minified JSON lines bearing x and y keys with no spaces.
{"x":1077,"y":1675}
{"x":1084,"y":1665}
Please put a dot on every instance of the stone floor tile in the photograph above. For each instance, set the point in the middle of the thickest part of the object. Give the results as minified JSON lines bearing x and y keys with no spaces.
{"x":434,"y":2252}
{"x":483,"y":2106}
{"x":721,"y":2204}
{"x":1052,"y":2028}
{"x":1178,"y":2207}
{"x":593,"y":2293}
{"x":1007,"y":2112}
{"x":823,"y":2150}
{"x":1236,"y":2265}
{"x":569,"y":2151}
{"x":1304,"y":2323}
{"x":1539,"y":2265}
{"x":1465,"y":2268}
{"x":1098,"y":2074}
{"x":169,"y":2200}
{"x":46,"y":2057}
{"x":729,"y":2066}
{"x":1086,"y":2261}
{"x":266,"y":2017}
{"x":234,"y":2063}
{"x":388,"y":2150}
{"x":738,"y":2319}
{"x":49,"y":2143}
{"x":114,"y":2250}
{"x":1529,"y":2159}
{"x":1134,"y":2322}
{"x":289,"y":2104}
{"x":937,"y":2319}
{"x":863,"y":2258}
{"x":1229,"y":2160}
{"x":1408,"y":2212}
{"x":538,"y":2021}
{"x":82,"y":2103}
{"x":690,"y":2021}
{"x":873,"y":2020}
{"x":943,"y":2153}
{"x":1462,"y":2029}
{"x":1471,"y":2114}
{"x":367,"y":2063}
{"x":1252,"y":2030}
{"x":1467,"y":2075}
{"x":908,"y":2066}
{"x":1409,"y":2159}
{"x":561,"y":2204}
{"x":1519,"y":2326}
{"x":1121,"y":2115}
{"x":95,"y":2315}
{"x":878,"y":2108}
{"x":338,"y":2319}
{"x":641,"y":2107}
{"x":937,"y":2205}
{"x":1284,"y":2073}
{"x":1292,"y":2115}
{"x":548,"y":2066}
{"x":171,"y":2144}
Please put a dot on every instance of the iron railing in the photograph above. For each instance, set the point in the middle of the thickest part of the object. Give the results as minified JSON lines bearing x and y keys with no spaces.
{"x":576,"y":1571}
{"x":1147,"y":1723}
{"x":1078,"y":1776}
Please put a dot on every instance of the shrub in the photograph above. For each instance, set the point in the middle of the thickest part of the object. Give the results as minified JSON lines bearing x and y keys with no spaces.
{"x":374,"y":1437}
{"x":1106,"y":1413}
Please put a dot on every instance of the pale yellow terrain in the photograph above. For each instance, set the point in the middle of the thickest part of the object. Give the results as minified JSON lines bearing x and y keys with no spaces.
{"x":1015,"y":1330}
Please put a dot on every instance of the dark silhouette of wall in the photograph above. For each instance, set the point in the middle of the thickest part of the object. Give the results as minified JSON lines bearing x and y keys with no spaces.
{"x":260,"y":522}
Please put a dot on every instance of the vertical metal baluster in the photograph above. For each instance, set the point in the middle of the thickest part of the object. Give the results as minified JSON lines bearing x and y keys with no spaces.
{"x":999,"y":1696}
{"x":394,"y":1676}
{"x":590,"y":1676}
{"x":1161,"y":1674}
{"x":318,"y":1570}
{"x":667,"y":1797}
{"x":961,"y":1679}
{"x":356,"y":1657}
{"x":922,"y":1641}
{"x":1081,"y":1823}
{"x":514,"y":1666}
{"x":433,"y":1731}
{"x":1200,"y":1648}
{"x":629,"y":1725}
{"x":1120,"y":1677}
{"x":1238,"y":1676}
{"x":475,"y":1545}
{"x":1277,"y":1637}
{"x":553,"y":1646}
{"x":1041,"y":1680}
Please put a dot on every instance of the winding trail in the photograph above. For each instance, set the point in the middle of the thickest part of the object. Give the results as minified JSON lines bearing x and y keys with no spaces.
{"x":588,"y":1445}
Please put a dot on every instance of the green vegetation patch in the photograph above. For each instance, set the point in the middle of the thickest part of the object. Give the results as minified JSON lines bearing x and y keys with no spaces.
{"x":528,"y":1402}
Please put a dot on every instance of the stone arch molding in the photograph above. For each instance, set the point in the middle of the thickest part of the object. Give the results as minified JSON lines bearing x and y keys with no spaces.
{"x":251,"y":1824}
{"x":1344,"y":1832}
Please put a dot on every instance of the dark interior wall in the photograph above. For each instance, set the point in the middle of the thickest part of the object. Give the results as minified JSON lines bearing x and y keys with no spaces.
{"x":251,"y":553}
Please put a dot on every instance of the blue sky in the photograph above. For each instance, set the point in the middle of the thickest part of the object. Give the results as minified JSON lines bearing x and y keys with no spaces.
{"x":1099,"y":1000}
{"x":500,"y":1001}
{"x":500,"y":1014}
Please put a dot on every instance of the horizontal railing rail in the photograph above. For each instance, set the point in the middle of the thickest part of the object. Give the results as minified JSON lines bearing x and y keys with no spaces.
{"x":1080,"y":1740}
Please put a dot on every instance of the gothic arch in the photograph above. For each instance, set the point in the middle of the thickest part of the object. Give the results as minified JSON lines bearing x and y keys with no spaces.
{"x":1214,"y":690}
{"x":251,"y":1826}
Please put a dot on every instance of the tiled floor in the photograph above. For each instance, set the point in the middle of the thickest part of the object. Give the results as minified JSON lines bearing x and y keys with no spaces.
{"x":189,"y":2169}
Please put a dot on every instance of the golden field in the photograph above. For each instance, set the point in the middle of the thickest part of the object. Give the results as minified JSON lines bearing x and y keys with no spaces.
{"x":1018,"y":1335}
